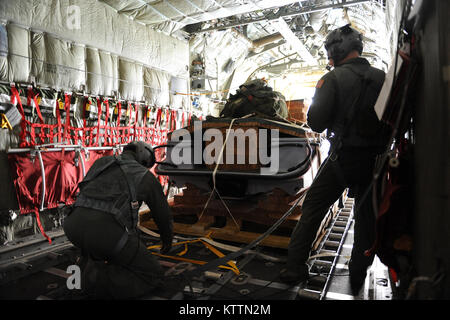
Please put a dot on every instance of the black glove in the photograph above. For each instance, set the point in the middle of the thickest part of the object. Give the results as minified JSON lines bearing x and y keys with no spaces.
{"x":166,"y":247}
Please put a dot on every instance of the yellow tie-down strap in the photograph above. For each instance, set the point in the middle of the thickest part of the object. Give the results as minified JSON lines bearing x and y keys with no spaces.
{"x":231,"y":265}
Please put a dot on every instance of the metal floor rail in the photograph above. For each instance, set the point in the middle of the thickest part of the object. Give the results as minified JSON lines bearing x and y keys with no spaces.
{"x":258,"y":279}
{"x":33,"y":254}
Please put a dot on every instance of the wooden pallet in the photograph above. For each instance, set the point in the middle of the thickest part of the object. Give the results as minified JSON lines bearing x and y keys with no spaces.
{"x":233,"y":229}
{"x":264,"y":209}
{"x":264,"y":212}
{"x":230,"y":232}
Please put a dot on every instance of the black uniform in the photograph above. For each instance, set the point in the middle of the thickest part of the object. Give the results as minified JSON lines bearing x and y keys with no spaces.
{"x":103,"y":224}
{"x":353,"y":168}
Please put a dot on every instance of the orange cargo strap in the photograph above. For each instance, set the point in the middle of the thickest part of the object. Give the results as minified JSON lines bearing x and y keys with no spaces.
{"x":232,"y":266}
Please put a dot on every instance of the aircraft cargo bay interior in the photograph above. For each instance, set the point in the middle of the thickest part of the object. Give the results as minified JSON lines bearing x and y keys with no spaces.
{"x":245,"y":152}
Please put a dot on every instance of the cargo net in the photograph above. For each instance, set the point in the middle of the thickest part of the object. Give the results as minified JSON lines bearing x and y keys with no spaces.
{"x":95,"y":126}
{"x":92,"y":121}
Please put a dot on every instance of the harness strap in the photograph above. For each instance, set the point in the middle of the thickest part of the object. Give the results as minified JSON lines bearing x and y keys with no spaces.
{"x":338,"y":171}
{"x":132,"y":189}
{"x":120,"y":244}
{"x":134,"y":202}
{"x":343,"y":125}
{"x":134,"y":208}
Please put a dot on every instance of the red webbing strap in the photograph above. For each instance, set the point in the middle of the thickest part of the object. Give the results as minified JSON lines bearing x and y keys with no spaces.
{"x":38,"y":109}
{"x":141,"y":130}
{"x":138,"y":131}
{"x":158,"y":117}
{"x":163,"y":139}
{"x":190,"y":117}
{"x":30,"y":123}
{"x":86,"y":101}
{"x":29,"y":96}
{"x":32,"y":96}
{"x":128,"y":135}
{"x":158,"y":132}
{"x":23,"y":123}
{"x":164,"y":132}
{"x":157,"y":125}
{"x":67,"y":125}
{"x":182,"y":118}
{"x":174,"y":120}
{"x":136,"y":117}
{"x":147,"y":131}
{"x":117,"y":130}
{"x":106,"y":101}
{"x":41,"y":228}
{"x":58,"y":119}
{"x":99,"y":117}
{"x":91,"y":129}
{"x":168,"y":119}
{"x":129,"y":113}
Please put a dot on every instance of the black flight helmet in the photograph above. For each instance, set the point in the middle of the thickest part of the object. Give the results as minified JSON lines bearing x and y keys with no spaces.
{"x":341,"y":41}
{"x":144,"y":153}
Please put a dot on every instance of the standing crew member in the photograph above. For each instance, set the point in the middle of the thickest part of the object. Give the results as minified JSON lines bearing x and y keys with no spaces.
{"x":343,"y":103}
{"x":104,"y":220}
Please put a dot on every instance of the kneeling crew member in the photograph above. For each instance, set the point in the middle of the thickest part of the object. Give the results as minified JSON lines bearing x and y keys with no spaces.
{"x":104,"y":220}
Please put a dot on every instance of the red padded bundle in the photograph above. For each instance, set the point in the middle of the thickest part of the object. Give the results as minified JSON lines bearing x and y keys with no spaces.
{"x":61,"y":179}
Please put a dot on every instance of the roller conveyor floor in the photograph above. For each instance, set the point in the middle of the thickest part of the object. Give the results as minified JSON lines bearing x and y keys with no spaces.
{"x":41,"y":274}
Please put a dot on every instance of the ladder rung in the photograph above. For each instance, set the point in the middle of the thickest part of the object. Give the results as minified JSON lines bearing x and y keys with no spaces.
{"x":309,"y":294}
{"x":338,"y":229}
{"x":332,"y":244}
{"x":335,"y":236}
{"x":340,"y":223}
